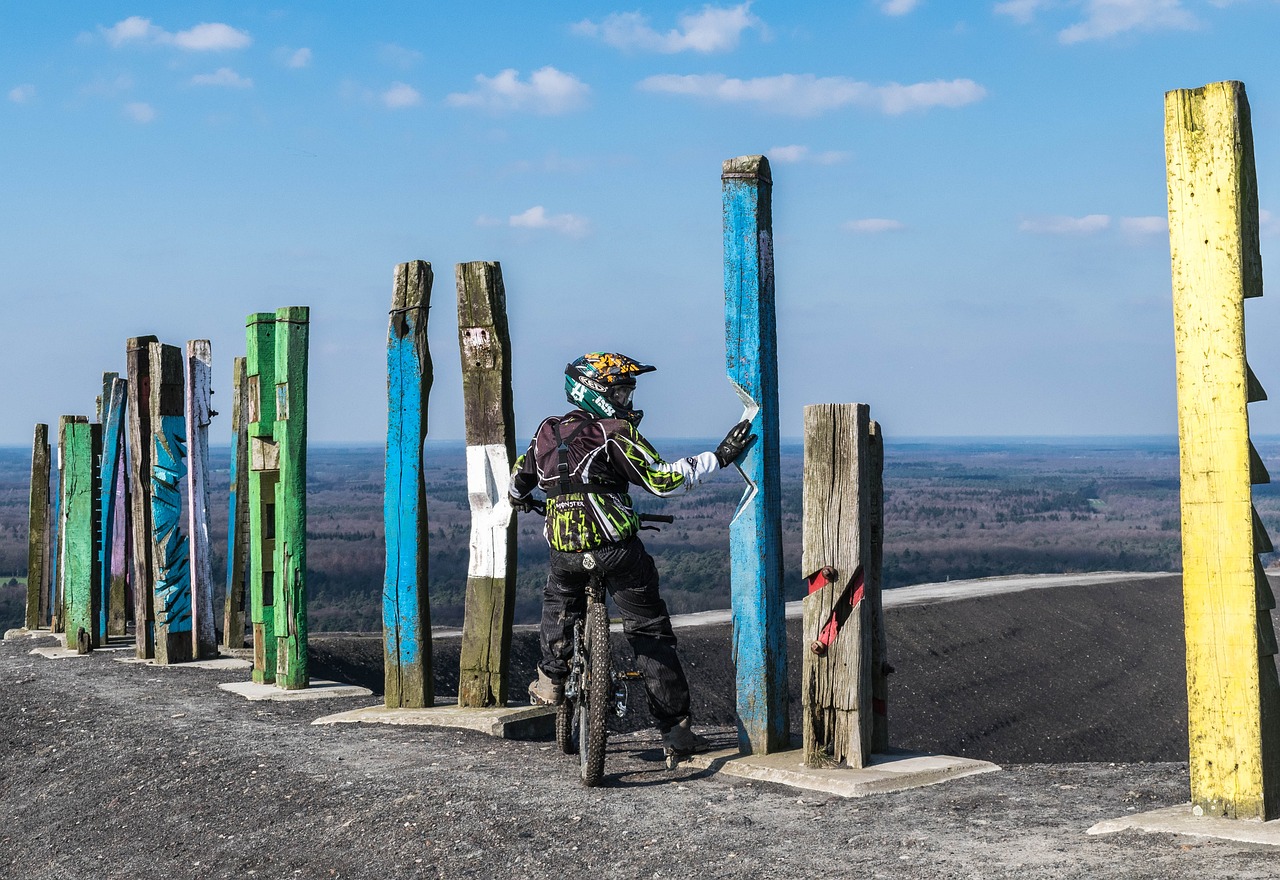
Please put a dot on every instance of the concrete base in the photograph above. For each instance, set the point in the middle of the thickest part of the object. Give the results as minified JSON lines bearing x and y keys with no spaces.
{"x":510,"y":722}
{"x":57,"y":652}
{"x":13,"y":635}
{"x":211,"y":663}
{"x":893,"y":771}
{"x":319,"y":690}
{"x":1181,"y":820}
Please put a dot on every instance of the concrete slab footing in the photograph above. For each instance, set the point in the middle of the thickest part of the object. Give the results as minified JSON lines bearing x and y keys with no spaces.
{"x":211,"y":663}
{"x":1182,"y":820}
{"x":509,"y":722}
{"x":893,"y":771}
{"x":318,"y":690}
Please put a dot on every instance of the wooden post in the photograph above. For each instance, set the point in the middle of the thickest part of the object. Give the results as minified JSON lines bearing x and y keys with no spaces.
{"x":406,"y":611}
{"x":292,"y":335}
{"x":138,"y":408}
{"x":264,"y":474}
{"x":836,"y":679}
{"x":170,"y":552}
{"x":755,"y":534}
{"x":38,"y":530}
{"x":238,"y":517}
{"x":1233,"y":694}
{"x":199,"y":413}
{"x":113,"y":427}
{"x":485,"y":345}
{"x":121,"y":552}
{"x":79,"y":571}
{"x":880,"y":668}
{"x":55,"y":544}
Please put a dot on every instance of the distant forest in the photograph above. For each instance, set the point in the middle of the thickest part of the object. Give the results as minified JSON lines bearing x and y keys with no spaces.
{"x":952,"y":511}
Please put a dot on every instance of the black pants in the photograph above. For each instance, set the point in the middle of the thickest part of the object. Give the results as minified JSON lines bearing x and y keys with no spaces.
{"x":631,"y":579}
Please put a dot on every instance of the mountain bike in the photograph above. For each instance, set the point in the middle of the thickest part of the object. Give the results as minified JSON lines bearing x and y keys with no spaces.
{"x":593,"y":688}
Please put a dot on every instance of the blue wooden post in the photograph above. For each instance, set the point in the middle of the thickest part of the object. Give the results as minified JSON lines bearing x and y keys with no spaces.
{"x":755,"y":534}
{"x":169,"y":551}
{"x":406,"y":616}
{"x":113,"y":401}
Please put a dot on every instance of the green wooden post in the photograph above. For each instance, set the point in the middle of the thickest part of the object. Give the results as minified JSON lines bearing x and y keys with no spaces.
{"x":138,"y":411}
{"x":79,"y":575}
{"x":406,"y":609}
{"x":264,"y":473}
{"x":38,"y":530}
{"x":238,"y":518}
{"x":485,"y":345}
{"x":292,"y":332}
{"x":170,"y":558}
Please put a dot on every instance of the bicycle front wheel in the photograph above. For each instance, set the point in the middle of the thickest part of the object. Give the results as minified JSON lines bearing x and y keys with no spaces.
{"x":596,"y":696}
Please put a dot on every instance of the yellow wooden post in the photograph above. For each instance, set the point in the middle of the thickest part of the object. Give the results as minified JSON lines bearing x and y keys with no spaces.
{"x":1232,"y":689}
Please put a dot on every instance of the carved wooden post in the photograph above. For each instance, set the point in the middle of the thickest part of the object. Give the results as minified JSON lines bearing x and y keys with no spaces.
{"x":121,"y":551}
{"x":79,"y":574}
{"x":836,"y":681}
{"x":56,"y":544}
{"x":292,"y":338}
{"x":238,"y":517}
{"x":199,"y":413}
{"x":406,"y":611}
{"x":264,"y":473}
{"x":170,"y":553}
{"x":138,"y":364}
{"x":113,"y":427}
{"x":485,"y":345}
{"x":880,"y":667}
{"x":38,"y":530}
{"x":1232,"y":690}
{"x":755,"y":534}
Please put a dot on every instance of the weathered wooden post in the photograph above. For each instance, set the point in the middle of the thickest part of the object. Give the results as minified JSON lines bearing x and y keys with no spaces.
{"x":138,"y":370}
{"x":755,"y":534}
{"x":56,"y":544}
{"x":292,"y":336}
{"x":121,"y":550}
{"x":406,"y":611}
{"x":264,"y":474}
{"x":880,"y":667}
{"x":199,"y":413}
{"x":1233,"y":694}
{"x":38,"y":531}
{"x":113,"y":427}
{"x":170,"y":552}
{"x":79,"y":570}
{"x":485,"y":345}
{"x":836,"y":678}
{"x":238,"y":517}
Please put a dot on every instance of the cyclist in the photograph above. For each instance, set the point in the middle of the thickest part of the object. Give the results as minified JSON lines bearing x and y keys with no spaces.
{"x":585,"y":462}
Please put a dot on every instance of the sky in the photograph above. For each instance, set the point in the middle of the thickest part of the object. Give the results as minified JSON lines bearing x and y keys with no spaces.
{"x":969,"y":198}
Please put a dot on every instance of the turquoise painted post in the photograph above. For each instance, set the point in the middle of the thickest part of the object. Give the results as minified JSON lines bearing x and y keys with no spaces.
{"x":406,"y":616}
{"x":755,"y":534}
{"x":79,"y":573}
{"x":112,"y":437}
{"x":169,"y":551}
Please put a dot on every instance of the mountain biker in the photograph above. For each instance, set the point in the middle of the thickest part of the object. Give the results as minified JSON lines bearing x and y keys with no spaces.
{"x":585,"y":462}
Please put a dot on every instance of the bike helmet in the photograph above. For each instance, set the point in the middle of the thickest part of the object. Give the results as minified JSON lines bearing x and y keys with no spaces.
{"x":602,"y":383}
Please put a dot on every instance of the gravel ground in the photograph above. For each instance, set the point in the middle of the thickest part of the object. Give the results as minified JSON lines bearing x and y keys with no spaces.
{"x":115,"y":770}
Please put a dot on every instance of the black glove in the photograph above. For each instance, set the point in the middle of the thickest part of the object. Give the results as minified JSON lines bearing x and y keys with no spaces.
{"x":734,"y":442}
{"x":523,"y":505}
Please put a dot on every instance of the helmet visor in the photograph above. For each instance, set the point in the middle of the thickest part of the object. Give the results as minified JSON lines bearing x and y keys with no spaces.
{"x":620,"y":395}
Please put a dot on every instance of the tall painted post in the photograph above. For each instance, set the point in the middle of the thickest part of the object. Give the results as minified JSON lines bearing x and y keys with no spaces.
{"x":880,"y":668}
{"x":755,"y":534}
{"x":79,"y":573}
{"x":113,"y":428}
{"x":292,"y":338}
{"x":238,"y":517}
{"x":138,"y":409}
{"x":485,"y":345}
{"x":199,"y":413}
{"x":169,"y":547}
{"x":38,"y":530}
{"x":264,"y":474}
{"x":55,"y":542}
{"x":406,"y":611}
{"x":1233,"y":695}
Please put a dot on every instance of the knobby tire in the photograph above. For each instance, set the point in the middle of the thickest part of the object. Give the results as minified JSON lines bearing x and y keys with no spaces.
{"x":565,"y":727}
{"x":596,"y":695}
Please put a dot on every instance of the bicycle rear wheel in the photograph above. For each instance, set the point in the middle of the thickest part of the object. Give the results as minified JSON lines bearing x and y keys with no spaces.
{"x":596,"y":696}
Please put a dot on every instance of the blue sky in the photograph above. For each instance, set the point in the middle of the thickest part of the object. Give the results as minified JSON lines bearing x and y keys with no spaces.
{"x":969,"y":198}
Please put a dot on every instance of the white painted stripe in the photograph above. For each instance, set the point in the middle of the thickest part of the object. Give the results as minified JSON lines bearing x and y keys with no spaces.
{"x":488,"y":478}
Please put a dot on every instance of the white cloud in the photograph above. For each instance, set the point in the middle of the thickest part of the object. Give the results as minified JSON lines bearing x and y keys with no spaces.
{"x":400,"y":95}
{"x":1144,"y":225}
{"x":22,"y":94}
{"x":873,"y":225}
{"x":223,"y":76}
{"x":205,"y":37}
{"x":797,"y":153}
{"x":140,"y":112}
{"x":398,"y":56}
{"x":807,"y":95}
{"x":1062,"y":225}
{"x":548,"y":91}
{"x":537,"y":218}
{"x":898,"y":7}
{"x":1268,"y":223}
{"x":1106,"y":18}
{"x":1021,"y":11}
{"x":294,"y":58}
{"x":713,"y":29}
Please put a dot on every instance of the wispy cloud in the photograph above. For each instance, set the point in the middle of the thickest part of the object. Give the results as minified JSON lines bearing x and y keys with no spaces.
{"x":1103,"y":19}
{"x":797,"y":153}
{"x":898,"y":7}
{"x":713,"y":29}
{"x":873,"y":225}
{"x":808,"y":95}
{"x":1268,"y":223}
{"x":400,"y":95}
{"x":294,"y":58}
{"x":224,"y":77}
{"x":548,"y":91}
{"x":1021,"y":11}
{"x":1058,"y":224}
{"x":396,"y":55}
{"x":1144,"y":225}
{"x":22,"y":94}
{"x":140,"y":112}
{"x":570,"y":225}
{"x":205,"y":37}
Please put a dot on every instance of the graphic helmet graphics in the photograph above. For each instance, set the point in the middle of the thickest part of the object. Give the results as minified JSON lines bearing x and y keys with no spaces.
{"x":602,"y":383}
